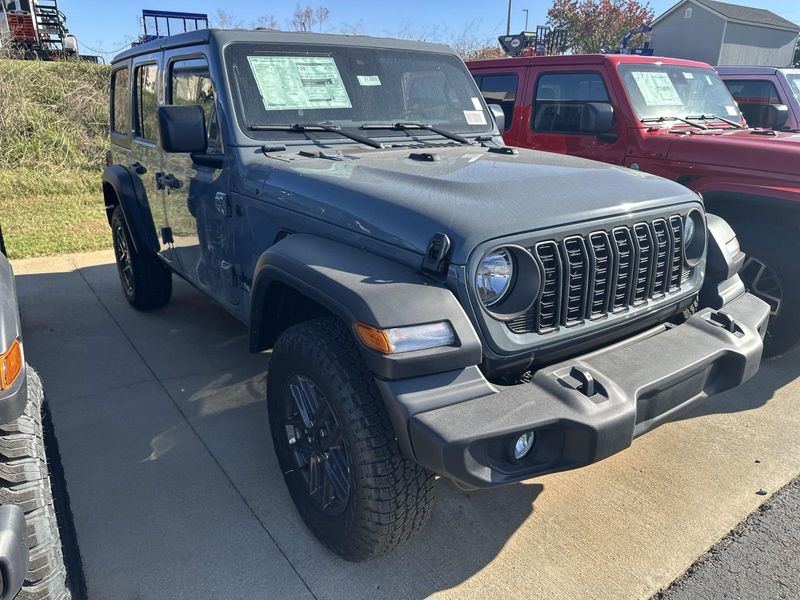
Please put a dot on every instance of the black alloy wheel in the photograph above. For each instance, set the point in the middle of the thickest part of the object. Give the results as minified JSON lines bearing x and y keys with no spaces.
{"x":317,"y":445}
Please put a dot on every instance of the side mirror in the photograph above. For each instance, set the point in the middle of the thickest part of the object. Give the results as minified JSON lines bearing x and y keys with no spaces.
{"x":182,"y":128}
{"x":499,"y":117}
{"x":775,"y":116}
{"x":597,"y":117}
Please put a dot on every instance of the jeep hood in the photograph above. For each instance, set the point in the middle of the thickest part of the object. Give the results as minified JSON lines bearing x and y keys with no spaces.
{"x":468,"y":193}
{"x":743,"y":149}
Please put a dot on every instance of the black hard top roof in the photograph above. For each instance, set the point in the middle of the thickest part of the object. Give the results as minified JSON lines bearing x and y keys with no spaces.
{"x":225,"y":36}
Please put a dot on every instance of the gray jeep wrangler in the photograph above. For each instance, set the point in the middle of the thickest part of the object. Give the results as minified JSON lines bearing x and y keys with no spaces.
{"x":435,"y":302}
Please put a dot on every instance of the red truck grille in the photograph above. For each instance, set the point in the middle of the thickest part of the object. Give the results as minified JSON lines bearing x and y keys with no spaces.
{"x":588,"y":277}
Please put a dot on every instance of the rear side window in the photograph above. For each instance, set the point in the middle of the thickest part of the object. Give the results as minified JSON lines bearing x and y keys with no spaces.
{"x":560,"y":98}
{"x":120,"y":102}
{"x":190,"y":83}
{"x":756,"y":91}
{"x":502,"y":90}
{"x":145,"y":94}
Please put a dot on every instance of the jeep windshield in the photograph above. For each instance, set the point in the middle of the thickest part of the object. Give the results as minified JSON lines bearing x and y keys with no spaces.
{"x":664,"y":93}
{"x":276,"y":86}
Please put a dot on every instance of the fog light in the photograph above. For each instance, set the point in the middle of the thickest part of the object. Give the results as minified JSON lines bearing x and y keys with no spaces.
{"x":524,"y":444}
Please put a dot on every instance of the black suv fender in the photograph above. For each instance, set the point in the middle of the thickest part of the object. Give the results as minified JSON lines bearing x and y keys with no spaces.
{"x":123,"y":188}
{"x":359,"y":286}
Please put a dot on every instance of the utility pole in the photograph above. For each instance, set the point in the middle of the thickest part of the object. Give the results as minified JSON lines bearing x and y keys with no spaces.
{"x":525,"y":10}
{"x":508,"y":20}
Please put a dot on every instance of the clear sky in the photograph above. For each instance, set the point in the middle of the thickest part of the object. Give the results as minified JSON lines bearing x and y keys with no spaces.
{"x":109,"y":25}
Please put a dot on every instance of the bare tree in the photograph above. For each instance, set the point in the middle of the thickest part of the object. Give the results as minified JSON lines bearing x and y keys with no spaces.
{"x":322,"y":14}
{"x":266,"y":22}
{"x":303,"y":18}
{"x":225,"y":20}
{"x":356,"y":28}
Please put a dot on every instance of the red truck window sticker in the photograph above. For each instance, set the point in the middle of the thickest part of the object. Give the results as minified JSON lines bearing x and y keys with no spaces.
{"x":657,"y":88}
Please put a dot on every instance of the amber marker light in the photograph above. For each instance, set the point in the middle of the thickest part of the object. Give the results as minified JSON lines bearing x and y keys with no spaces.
{"x":396,"y":340}
{"x":10,"y":365}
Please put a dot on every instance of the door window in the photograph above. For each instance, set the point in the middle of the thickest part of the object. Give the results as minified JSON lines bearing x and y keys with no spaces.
{"x":120,"y":102}
{"x":560,"y":98}
{"x":758,"y":91}
{"x":753,"y":97}
{"x":190,"y":83}
{"x":145,"y":95}
{"x":502,"y":90}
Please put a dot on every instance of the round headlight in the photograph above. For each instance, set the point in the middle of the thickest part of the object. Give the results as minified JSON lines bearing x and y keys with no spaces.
{"x":493,"y":277}
{"x":694,"y":237}
{"x":688,"y":230}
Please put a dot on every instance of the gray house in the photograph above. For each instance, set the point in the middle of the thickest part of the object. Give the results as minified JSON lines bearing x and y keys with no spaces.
{"x":724,"y":34}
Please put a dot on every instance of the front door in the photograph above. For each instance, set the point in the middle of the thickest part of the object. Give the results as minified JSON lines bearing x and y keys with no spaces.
{"x":146,"y":155}
{"x":555,"y":124}
{"x":197,"y":201}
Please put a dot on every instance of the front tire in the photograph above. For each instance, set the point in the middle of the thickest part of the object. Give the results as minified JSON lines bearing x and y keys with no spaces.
{"x":25,"y":481}
{"x":146,"y":281}
{"x":337,"y":449}
{"x":772,"y":273}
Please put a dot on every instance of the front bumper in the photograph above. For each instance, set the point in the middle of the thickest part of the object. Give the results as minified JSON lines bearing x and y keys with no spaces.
{"x":582,"y":410}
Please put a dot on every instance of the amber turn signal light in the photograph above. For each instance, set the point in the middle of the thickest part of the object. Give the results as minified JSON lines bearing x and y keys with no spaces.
{"x":408,"y":338}
{"x":373,"y":338}
{"x":10,"y":365}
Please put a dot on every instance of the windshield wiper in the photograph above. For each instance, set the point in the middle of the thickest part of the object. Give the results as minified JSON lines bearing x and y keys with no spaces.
{"x":705,"y":117}
{"x":319,"y":127}
{"x":403,"y":125}
{"x":663,"y":119}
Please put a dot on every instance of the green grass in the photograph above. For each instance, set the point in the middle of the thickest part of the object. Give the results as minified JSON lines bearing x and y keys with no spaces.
{"x":44,"y":214}
{"x":53,"y":138}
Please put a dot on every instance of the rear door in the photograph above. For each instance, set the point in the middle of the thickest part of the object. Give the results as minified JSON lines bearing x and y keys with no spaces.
{"x":558,"y":98}
{"x":199,"y":211}
{"x":503,"y":88}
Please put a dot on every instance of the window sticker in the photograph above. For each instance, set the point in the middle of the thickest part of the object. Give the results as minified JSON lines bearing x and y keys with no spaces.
{"x":368,"y":80}
{"x":656,"y":88}
{"x":476,"y":102}
{"x":299,"y":82}
{"x":475,"y":117}
{"x":688,"y":75}
{"x":732,"y":111}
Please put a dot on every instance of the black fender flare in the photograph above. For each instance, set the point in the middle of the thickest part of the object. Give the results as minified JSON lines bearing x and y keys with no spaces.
{"x":359,"y":286}
{"x":132,"y":199}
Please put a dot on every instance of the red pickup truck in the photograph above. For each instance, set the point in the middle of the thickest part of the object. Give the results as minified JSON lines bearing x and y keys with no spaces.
{"x":676,"y":119}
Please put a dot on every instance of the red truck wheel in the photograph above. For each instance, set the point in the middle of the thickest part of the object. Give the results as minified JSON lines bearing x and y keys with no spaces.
{"x":772,"y":273}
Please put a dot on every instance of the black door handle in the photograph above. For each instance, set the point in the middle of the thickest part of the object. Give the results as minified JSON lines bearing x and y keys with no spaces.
{"x":167,"y":181}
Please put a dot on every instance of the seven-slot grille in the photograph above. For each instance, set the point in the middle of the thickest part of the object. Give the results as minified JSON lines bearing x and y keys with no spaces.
{"x":588,"y":277}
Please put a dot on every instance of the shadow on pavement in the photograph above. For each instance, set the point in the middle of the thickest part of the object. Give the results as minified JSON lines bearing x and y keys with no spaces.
{"x":96,"y":353}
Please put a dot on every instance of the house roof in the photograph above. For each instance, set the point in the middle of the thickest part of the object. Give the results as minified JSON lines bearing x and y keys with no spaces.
{"x":759,"y":16}
{"x":737,"y":13}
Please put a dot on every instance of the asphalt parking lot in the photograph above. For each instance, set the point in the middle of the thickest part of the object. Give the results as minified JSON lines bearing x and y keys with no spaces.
{"x":175,"y":492}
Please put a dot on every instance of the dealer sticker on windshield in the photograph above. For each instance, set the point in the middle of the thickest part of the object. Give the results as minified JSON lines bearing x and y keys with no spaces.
{"x":299,"y":82}
{"x":656,"y":88}
{"x":475,"y":117}
{"x":368,"y":80}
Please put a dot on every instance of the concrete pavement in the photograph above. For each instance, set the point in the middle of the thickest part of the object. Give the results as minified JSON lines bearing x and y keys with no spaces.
{"x":175,"y":492}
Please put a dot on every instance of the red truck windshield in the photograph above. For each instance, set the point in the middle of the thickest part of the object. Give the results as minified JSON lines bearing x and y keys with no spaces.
{"x":666,"y":91}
